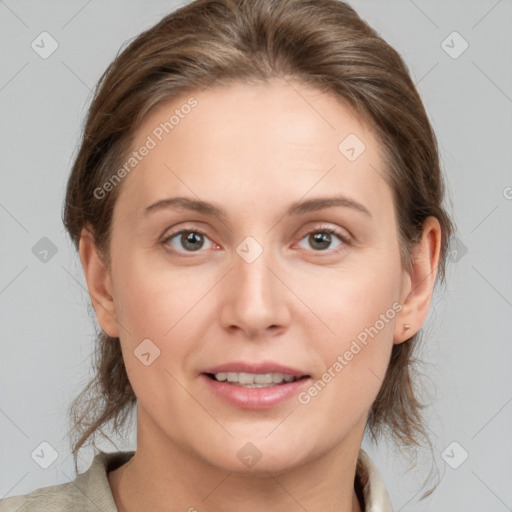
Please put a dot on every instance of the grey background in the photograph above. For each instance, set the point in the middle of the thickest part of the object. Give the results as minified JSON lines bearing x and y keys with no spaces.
{"x":47,"y":335}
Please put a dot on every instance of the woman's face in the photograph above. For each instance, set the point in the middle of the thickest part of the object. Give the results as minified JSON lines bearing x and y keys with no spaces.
{"x":264,"y":288}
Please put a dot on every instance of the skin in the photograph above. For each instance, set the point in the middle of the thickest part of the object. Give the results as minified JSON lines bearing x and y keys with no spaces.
{"x":254,"y":150}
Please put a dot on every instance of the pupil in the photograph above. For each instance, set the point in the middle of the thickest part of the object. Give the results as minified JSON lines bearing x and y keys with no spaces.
{"x":189,"y":239}
{"x":324,"y":239}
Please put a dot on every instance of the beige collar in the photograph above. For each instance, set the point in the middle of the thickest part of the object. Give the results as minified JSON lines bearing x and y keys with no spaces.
{"x":375,"y":496}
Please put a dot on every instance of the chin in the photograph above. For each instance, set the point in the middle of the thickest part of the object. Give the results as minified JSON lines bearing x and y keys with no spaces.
{"x":260,"y":456}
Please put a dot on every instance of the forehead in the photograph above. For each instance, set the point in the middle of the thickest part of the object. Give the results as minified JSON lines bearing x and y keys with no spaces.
{"x":282,"y":137}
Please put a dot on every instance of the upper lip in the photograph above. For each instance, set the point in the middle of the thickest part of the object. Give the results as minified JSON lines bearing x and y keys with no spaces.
{"x":253,"y":367}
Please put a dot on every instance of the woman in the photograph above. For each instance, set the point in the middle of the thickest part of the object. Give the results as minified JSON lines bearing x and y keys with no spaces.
{"x":257,"y":205}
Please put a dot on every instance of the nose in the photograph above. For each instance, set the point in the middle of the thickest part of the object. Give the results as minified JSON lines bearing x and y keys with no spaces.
{"x":255,"y":298}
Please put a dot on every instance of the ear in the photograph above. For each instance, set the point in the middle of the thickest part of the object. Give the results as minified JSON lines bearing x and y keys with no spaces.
{"x":419,"y":282}
{"x":99,"y":283}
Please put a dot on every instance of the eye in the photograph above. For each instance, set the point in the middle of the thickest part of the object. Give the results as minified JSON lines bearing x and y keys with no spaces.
{"x":189,"y":240}
{"x":321,"y":239}
{"x":193,"y":240}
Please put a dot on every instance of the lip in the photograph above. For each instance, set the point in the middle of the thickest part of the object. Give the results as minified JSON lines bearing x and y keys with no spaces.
{"x":252,"y":367}
{"x":255,"y":398}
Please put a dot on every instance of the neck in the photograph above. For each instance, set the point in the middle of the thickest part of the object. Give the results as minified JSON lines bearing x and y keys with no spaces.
{"x":171,"y":478}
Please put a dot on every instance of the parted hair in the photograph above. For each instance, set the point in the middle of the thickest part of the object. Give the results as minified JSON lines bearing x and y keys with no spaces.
{"x":323,"y":43}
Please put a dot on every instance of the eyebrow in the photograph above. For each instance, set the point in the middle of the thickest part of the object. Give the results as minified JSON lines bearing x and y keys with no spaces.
{"x":297,"y":208}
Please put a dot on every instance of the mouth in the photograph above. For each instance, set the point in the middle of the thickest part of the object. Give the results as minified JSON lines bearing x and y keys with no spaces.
{"x":254,"y":385}
{"x":255,"y":380}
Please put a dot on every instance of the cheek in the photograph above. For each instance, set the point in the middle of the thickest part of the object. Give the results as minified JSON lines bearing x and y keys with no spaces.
{"x":170,"y":307}
{"x":150,"y":299}
{"x":353,"y":297}
{"x":154,"y":306}
{"x":359,"y":304}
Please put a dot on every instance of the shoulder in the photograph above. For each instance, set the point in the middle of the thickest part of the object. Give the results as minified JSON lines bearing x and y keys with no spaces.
{"x":88,"y":492}
{"x":55,"y":498}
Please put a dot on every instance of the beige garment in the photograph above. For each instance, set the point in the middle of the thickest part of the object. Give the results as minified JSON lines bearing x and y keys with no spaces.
{"x":90,"y":491}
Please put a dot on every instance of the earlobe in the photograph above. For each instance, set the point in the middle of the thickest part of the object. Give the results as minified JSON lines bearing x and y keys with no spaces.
{"x":99,"y":283}
{"x":420,"y":281}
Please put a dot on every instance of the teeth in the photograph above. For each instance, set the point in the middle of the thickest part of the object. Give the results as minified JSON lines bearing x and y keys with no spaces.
{"x":254,"y":380}
{"x":232,"y":377}
{"x":277,"y":377}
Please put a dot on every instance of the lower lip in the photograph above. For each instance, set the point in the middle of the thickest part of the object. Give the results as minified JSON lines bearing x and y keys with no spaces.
{"x":255,"y":398}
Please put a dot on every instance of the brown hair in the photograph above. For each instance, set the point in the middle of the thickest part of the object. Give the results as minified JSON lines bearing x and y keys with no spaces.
{"x":323,"y":43}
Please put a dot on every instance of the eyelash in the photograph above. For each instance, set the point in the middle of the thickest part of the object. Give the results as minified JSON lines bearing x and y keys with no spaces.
{"x":320,"y":229}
